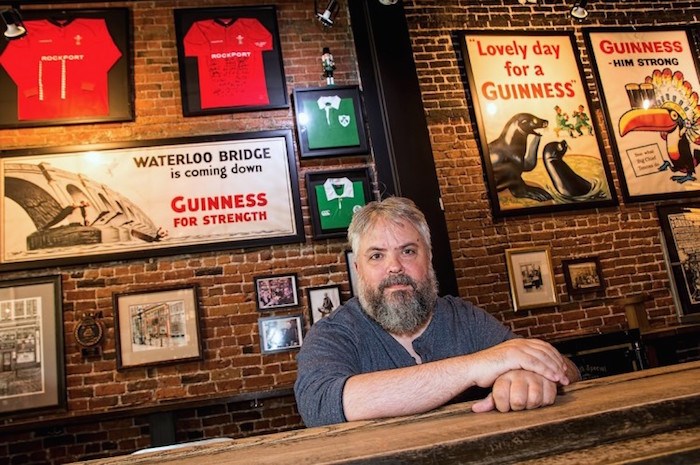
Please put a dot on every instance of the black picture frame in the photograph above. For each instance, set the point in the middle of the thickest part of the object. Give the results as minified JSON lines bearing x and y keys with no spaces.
{"x":680,"y":232}
{"x":352,"y":272}
{"x":583,"y":275}
{"x":337,"y":128}
{"x":148,"y":198}
{"x":638,"y":130}
{"x":517,"y":84}
{"x":99,"y":52}
{"x":280,"y":333}
{"x":276,"y":291}
{"x":199,"y":29}
{"x":328,"y":219}
{"x":322,"y":301}
{"x":157,"y":327}
{"x":35,"y":381}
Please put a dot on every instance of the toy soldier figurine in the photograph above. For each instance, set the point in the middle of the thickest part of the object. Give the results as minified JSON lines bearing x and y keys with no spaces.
{"x":328,"y":66}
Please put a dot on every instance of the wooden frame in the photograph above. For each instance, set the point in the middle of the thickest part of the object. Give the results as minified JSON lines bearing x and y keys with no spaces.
{"x":524,"y":86}
{"x":32,"y":379}
{"x":230,"y":60}
{"x":330,"y":121}
{"x":157,"y":327}
{"x":280,"y":333}
{"x":148,"y":198}
{"x":278,"y":291}
{"x":333,"y":197}
{"x":90,"y":79}
{"x":352,"y":272}
{"x":583,"y":275}
{"x":641,"y":133}
{"x":531,"y":278}
{"x":322,"y":301}
{"x":680,"y":232}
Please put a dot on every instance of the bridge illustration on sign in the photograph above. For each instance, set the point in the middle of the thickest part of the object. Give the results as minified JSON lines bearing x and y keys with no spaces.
{"x":69,"y":209}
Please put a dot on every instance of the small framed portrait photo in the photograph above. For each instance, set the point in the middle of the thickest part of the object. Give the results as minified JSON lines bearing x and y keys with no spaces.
{"x":280,"y":333}
{"x":277,"y":291}
{"x":531,"y":278}
{"x":583,"y":275}
{"x":323,"y":300}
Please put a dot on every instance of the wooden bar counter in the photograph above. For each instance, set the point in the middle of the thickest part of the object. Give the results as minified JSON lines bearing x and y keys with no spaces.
{"x":650,"y":416}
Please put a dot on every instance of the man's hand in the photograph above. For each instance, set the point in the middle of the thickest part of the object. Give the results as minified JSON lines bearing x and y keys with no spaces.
{"x":518,"y":390}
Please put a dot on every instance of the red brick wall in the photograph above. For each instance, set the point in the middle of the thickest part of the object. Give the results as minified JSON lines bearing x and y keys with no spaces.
{"x":626,"y":237}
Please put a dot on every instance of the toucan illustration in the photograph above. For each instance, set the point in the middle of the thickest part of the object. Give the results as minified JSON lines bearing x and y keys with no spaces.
{"x":666,"y":103}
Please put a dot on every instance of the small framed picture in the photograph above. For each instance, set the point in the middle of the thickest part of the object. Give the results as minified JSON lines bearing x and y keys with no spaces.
{"x":277,"y":291}
{"x":157,"y":327}
{"x":280,"y":333}
{"x":583,"y":275}
{"x":334,"y":196}
{"x":330,"y":121}
{"x":531,"y":278}
{"x":323,"y":300}
{"x":352,"y":271}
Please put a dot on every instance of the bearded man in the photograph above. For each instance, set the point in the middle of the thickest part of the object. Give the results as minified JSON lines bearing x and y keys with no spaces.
{"x":399,"y":349}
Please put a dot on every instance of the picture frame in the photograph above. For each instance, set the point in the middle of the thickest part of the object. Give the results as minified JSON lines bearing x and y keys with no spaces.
{"x":641,"y":102}
{"x":217,"y":77}
{"x":157,"y":327}
{"x":276,"y":291}
{"x":333,"y":197}
{"x":330,"y":121}
{"x":583,"y":275}
{"x":322,"y":301}
{"x":148,"y":198}
{"x":32,"y":379}
{"x":280,"y":333}
{"x":352,"y":272}
{"x":540,"y":147}
{"x":680,"y":231}
{"x":104,"y":91}
{"x":531,"y":278}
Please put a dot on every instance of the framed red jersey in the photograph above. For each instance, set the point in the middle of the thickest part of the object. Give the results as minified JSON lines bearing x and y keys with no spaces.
{"x":230,"y":60}
{"x":72,"y":67}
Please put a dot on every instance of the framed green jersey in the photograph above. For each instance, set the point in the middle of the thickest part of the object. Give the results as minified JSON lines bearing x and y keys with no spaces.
{"x":334,"y":197}
{"x":330,"y":121}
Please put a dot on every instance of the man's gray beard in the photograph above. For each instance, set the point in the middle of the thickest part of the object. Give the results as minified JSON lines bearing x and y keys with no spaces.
{"x":401,"y":312}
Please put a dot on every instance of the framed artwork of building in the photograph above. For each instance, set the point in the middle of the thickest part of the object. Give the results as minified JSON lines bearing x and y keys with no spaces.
{"x":147,"y":198}
{"x":531,"y":278}
{"x":157,"y":327}
{"x":330,"y":121}
{"x":72,"y":67}
{"x":31,"y":346}
{"x":540,"y":148}
{"x":649,"y":85}
{"x":334,"y":196}
{"x":230,"y":60}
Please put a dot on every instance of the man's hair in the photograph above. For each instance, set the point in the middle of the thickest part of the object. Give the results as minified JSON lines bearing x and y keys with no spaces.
{"x":395,"y":210}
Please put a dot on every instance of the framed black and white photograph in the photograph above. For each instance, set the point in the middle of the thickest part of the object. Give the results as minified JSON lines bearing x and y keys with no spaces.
{"x":583,"y":275}
{"x":334,"y":197}
{"x":157,"y":327}
{"x":531,"y":278}
{"x":330,"y":121}
{"x":280,"y":333}
{"x":279,"y":291}
{"x":680,"y":234}
{"x":322,"y":301}
{"x":352,"y":272}
{"x":32,"y":377}
{"x":230,"y":60}
{"x":72,"y":67}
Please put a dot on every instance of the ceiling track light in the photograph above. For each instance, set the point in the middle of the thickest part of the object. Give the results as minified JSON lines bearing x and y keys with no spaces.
{"x":328,"y":15}
{"x":14,"y":25}
{"x":579,"y":11}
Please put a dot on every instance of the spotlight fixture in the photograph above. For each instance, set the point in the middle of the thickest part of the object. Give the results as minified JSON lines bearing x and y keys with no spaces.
{"x":328,"y":15}
{"x":388,"y":2}
{"x":579,"y":11}
{"x":15,"y":26}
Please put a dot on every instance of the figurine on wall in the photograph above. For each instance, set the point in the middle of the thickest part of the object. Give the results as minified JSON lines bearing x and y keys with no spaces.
{"x":328,"y":66}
